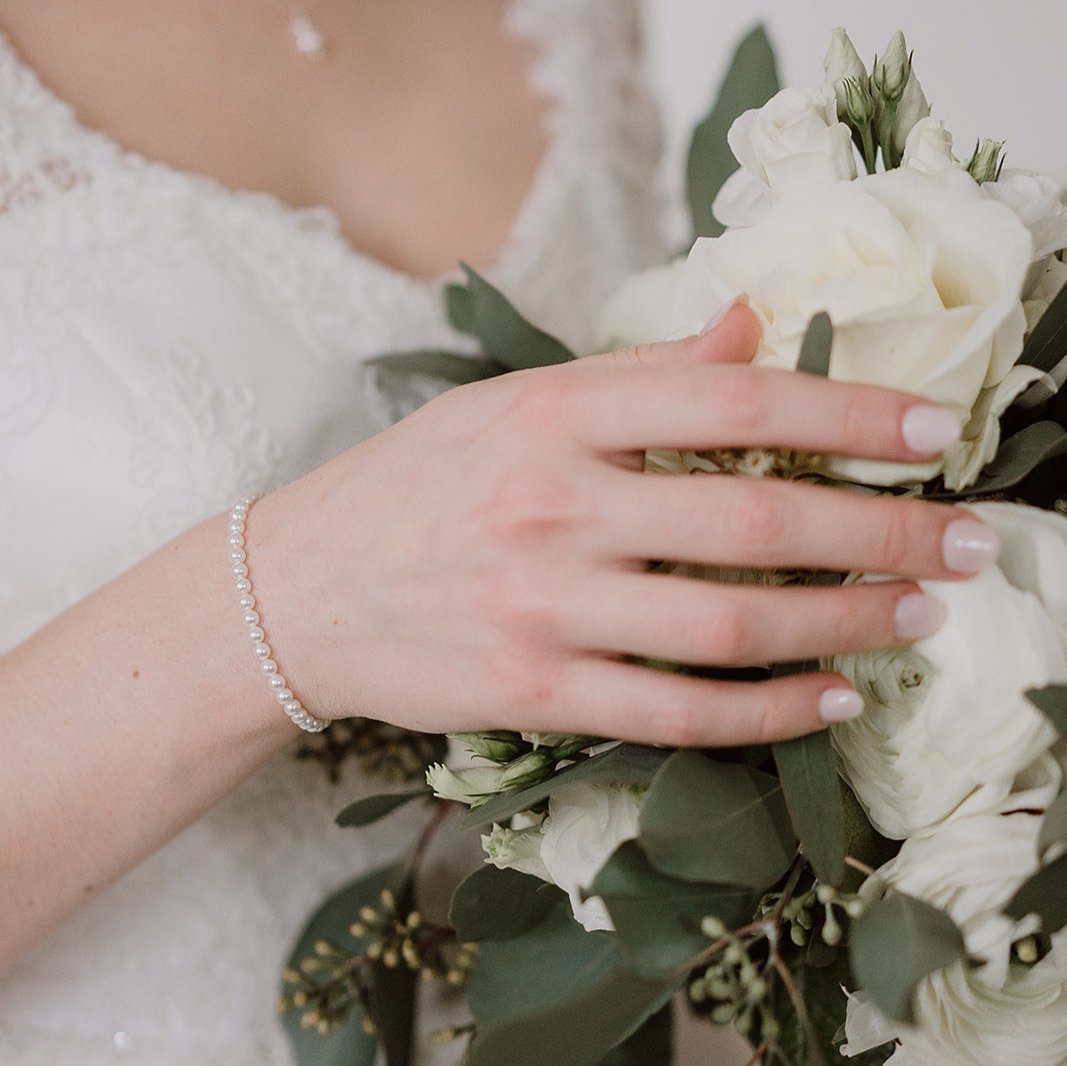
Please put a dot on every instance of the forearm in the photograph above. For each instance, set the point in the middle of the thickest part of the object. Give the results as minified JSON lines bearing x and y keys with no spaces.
{"x":123,"y":720}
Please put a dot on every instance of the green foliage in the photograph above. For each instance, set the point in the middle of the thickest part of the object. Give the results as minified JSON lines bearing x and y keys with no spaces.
{"x":711,"y":821}
{"x":895,"y":943}
{"x":369,"y":810}
{"x":1047,"y":345}
{"x":494,"y":904}
{"x":1053,"y":825}
{"x":507,"y":338}
{"x":1043,"y":894}
{"x":1019,"y":456}
{"x":556,"y":994}
{"x":750,"y":82}
{"x":348,"y":1044}
{"x":452,"y":367}
{"x":651,"y":1045}
{"x":813,"y":795}
{"x":862,"y":840}
{"x":816,"y":346}
{"x":1052,"y":703}
{"x":626,"y":764}
{"x":658,"y":917}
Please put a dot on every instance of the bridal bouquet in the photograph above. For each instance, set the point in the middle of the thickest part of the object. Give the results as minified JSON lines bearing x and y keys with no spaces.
{"x":893,"y":889}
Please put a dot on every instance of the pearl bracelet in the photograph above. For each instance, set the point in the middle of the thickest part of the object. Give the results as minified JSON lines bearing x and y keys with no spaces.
{"x":260,"y":648}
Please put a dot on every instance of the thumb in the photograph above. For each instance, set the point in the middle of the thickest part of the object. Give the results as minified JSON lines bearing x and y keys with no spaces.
{"x":732,"y":336}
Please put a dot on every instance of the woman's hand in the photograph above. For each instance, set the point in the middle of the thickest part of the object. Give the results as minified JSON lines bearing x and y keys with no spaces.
{"x":482,"y":564}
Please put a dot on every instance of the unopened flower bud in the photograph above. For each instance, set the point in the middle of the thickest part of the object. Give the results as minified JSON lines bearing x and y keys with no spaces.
{"x":891,"y":70}
{"x":912,"y":108}
{"x":825,"y":893}
{"x":843,"y":63}
{"x":986,"y":162}
{"x":499,"y":745}
{"x":527,"y":770}
{"x":723,"y":1013}
{"x":831,"y":931}
{"x":770,"y":1030}
{"x":855,"y":103}
{"x":713,"y":928}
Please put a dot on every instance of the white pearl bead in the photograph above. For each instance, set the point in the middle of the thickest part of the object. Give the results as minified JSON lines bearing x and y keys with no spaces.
{"x":293,"y":707}
{"x":239,"y":570}
{"x":276,"y":682}
{"x":261,"y":651}
{"x":247,"y":602}
{"x":251,"y":618}
{"x":255,"y":634}
{"x":238,"y":555}
{"x":283,"y":696}
{"x":236,"y":540}
{"x":269,"y":666}
{"x":237,"y":527}
{"x":242,"y":585}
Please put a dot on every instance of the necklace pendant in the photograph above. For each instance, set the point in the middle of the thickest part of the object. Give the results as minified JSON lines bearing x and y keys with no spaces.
{"x":309,"y":42}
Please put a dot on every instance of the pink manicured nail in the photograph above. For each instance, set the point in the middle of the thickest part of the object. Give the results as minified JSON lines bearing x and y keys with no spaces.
{"x":969,"y":546}
{"x":917,"y":615}
{"x":741,"y":298}
{"x":839,"y":705}
{"x":929,"y":430}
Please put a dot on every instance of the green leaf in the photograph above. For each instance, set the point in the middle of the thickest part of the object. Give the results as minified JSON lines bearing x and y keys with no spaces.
{"x":1053,"y":825}
{"x":556,"y":994}
{"x":816,"y":346}
{"x":506,"y":337}
{"x":651,"y":1045}
{"x":657,"y":917}
{"x":494,"y":904}
{"x":453,"y":367}
{"x":1047,"y":345}
{"x":704,"y":820}
{"x":813,"y":795}
{"x":626,"y":764}
{"x":750,"y":82}
{"x":393,"y":1002}
{"x":1052,"y":703}
{"x":347,"y":1045}
{"x":1044,"y":894}
{"x":370,"y":809}
{"x":1019,"y":456}
{"x":863,"y":841}
{"x":895,"y":943}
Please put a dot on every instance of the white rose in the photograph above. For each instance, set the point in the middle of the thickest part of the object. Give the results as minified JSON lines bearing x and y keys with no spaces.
{"x":1035,"y":198}
{"x":794,"y":140}
{"x":1004,"y":1011}
{"x":945,"y":721}
{"x":928,"y":148}
{"x":585,"y":824}
{"x":921,"y":275}
{"x":641,"y":309}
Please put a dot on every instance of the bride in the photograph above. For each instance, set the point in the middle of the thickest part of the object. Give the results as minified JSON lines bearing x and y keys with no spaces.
{"x":211,"y":215}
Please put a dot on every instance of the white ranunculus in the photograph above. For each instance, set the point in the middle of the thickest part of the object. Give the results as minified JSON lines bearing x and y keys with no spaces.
{"x":921,"y":275}
{"x":928,"y":149}
{"x":1035,"y":198}
{"x":1003,"y":1012}
{"x":946,"y":727}
{"x":640,"y":311}
{"x":585,"y":824}
{"x":794,"y":140}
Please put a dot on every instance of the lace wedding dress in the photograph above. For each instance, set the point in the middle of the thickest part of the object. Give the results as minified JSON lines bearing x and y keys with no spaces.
{"x":166,"y":343}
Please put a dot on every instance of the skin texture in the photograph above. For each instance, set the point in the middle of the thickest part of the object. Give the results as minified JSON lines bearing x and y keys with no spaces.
{"x":480,"y":564}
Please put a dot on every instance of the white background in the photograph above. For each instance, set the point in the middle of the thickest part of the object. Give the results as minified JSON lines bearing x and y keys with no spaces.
{"x":989,"y":69}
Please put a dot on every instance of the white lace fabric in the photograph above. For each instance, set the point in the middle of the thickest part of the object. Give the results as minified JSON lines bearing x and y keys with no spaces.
{"x":167,"y":343}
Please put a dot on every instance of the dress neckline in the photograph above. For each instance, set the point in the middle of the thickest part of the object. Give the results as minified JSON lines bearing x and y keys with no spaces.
{"x":320,"y":221}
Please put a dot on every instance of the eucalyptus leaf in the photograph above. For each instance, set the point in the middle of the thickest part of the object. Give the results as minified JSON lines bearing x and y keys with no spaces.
{"x":1052,"y":703}
{"x":347,"y":1045}
{"x":1019,"y":456}
{"x":556,"y":994}
{"x":657,"y":918}
{"x":816,"y":346}
{"x":625,"y":764}
{"x":711,"y":821}
{"x":812,"y":791}
{"x":494,"y":904}
{"x":452,"y":367}
{"x":750,"y":82}
{"x":895,"y":943}
{"x":507,"y":338}
{"x":1047,"y":344}
{"x":393,"y":999}
{"x":1053,"y":825}
{"x":863,"y":841}
{"x":369,"y":810}
{"x":1043,"y":894}
{"x":651,"y":1045}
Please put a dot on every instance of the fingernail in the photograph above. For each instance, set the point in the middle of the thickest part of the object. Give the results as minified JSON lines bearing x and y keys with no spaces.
{"x":918,"y":615}
{"x":929,"y":430}
{"x":839,"y":705}
{"x":969,"y":546}
{"x":741,"y":298}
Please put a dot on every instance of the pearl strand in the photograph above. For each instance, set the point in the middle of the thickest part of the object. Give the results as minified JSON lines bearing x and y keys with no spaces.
{"x":260,"y":648}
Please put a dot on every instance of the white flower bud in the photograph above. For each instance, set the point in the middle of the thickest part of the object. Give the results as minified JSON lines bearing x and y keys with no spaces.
{"x":516,"y":849}
{"x":891,"y":70}
{"x":928,"y":148}
{"x":843,"y":62}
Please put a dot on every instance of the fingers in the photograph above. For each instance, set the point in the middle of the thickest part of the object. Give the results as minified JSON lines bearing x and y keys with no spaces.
{"x":766,"y":523}
{"x":733,"y":338}
{"x":704,"y":624}
{"x":711,"y":406}
{"x":654,"y":707}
